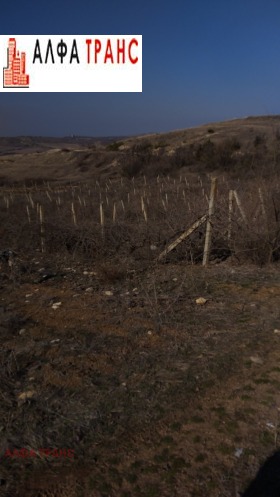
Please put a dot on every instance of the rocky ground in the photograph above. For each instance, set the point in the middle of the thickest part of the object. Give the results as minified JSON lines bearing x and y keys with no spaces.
{"x":154,"y":392}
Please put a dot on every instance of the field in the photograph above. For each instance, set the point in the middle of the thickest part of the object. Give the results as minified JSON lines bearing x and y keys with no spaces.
{"x":160,"y":376}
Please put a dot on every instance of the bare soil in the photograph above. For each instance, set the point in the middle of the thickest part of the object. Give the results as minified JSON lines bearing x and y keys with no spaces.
{"x":155,"y":394}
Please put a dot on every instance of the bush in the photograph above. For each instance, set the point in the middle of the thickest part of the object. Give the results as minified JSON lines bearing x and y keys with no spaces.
{"x":184,"y":156}
{"x":259,"y":140}
{"x":132,"y":167}
{"x":142,"y":149}
{"x":114,"y":147}
{"x":206,"y":153}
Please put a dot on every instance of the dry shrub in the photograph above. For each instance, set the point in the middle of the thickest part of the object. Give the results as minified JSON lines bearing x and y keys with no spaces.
{"x":172,"y":206}
{"x":110,"y":273}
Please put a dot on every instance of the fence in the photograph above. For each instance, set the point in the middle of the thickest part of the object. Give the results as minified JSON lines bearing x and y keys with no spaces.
{"x":131,"y":216}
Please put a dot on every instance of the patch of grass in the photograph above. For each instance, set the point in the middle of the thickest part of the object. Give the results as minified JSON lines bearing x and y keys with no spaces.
{"x":268,"y":401}
{"x":248,"y":364}
{"x":244,"y":318}
{"x":271,"y":391}
{"x":201,"y":457}
{"x":114,"y":146}
{"x":211,"y":485}
{"x":245,"y":284}
{"x":160,"y":409}
{"x":176,"y":426}
{"x":152,"y":490}
{"x":131,"y":477}
{"x":248,"y":451}
{"x":217,"y":425}
{"x":178,"y":463}
{"x":115,"y":476}
{"x":275,"y":383}
{"x":105,"y":487}
{"x":197,"y":439}
{"x":152,"y":468}
{"x":169,"y":477}
{"x":114,"y":460}
{"x":93,"y":482}
{"x":248,"y":388}
{"x":167,"y":439}
{"x":231,"y":427}
{"x":161,"y":144}
{"x":266,"y":438}
{"x":163,"y":456}
{"x":262,"y":381}
{"x":225,"y":449}
{"x":137,"y":464}
{"x":197,"y":419}
{"x":238,"y":439}
{"x":241,"y":415}
{"x":250,"y":410}
{"x":220,"y":410}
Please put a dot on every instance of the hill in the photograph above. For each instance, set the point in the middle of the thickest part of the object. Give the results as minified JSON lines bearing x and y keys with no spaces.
{"x":236,"y":147}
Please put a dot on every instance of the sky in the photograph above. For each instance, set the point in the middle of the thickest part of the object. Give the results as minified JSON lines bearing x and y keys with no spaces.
{"x":203,"y":61}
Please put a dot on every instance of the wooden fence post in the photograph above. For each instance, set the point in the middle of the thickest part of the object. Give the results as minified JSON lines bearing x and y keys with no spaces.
{"x":102,"y":219}
{"x":183,"y":236}
{"x":209,"y":220}
{"x":262,"y":203}
{"x":230,"y":207}
{"x":239,"y":205}
{"x":42,"y":229}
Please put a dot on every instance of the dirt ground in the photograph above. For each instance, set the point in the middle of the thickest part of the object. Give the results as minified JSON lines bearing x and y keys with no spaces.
{"x":153,"y":394}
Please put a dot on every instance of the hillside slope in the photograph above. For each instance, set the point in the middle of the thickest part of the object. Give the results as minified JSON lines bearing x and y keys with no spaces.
{"x":231,"y":146}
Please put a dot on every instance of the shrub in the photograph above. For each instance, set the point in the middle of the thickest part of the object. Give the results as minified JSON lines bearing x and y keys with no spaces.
{"x":132,"y":167}
{"x":206,"y":153}
{"x":114,"y":147}
{"x":259,"y":140}
{"x":184,"y":156}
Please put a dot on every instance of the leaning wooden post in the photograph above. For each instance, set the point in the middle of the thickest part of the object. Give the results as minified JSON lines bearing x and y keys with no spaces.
{"x":239,"y":205}
{"x":209,"y":220}
{"x":183,"y":236}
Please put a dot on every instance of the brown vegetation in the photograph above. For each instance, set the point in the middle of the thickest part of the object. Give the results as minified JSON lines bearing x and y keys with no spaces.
{"x":105,"y":350}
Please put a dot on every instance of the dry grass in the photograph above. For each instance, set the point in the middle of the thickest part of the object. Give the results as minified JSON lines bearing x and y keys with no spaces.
{"x":155,"y":394}
{"x":152,"y":392}
{"x":242,"y":146}
{"x":140,"y":217}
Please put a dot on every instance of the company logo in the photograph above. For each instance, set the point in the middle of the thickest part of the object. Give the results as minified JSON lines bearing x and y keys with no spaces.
{"x":14,"y":74}
{"x":65,"y":63}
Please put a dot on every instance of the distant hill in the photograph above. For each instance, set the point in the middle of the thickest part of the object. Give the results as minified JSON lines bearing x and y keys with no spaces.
{"x":22,"y":144}
{"x":237,"y":146}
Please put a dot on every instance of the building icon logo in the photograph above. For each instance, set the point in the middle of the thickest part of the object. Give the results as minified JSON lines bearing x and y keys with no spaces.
{"x":14,"y":74}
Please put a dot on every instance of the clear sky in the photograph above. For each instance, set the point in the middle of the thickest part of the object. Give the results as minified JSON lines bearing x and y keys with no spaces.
{"x":203,"y":61}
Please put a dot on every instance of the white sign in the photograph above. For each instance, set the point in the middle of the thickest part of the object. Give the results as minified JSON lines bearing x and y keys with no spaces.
{"x":71,"y":63}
